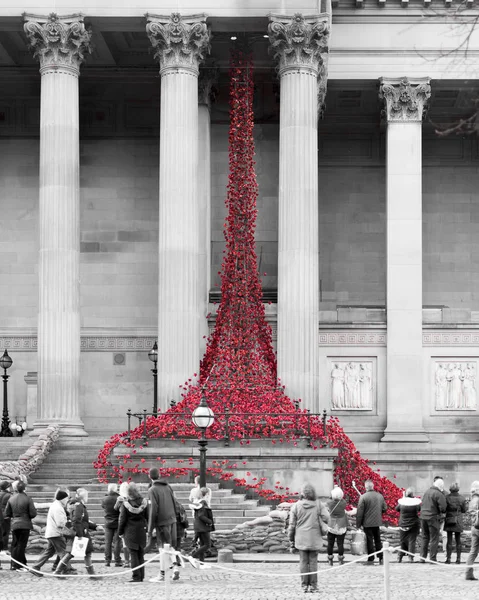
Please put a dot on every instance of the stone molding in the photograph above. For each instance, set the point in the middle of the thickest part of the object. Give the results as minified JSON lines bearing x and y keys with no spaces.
{"x":464,"y":338}
{"x":405,"y":99}
{"x":143,"y":341}
{"x":352,"y":338}
{"x":178,"y":42}
{"x":299,"y":42}
{"x":59,"y":43}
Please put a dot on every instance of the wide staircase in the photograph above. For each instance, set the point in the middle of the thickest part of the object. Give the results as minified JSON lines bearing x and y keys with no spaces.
{"x":70,"y":465}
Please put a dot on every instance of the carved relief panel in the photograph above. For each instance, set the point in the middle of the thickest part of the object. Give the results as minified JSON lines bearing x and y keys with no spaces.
{"x":353,"y":384}
{"x":454,"y":384}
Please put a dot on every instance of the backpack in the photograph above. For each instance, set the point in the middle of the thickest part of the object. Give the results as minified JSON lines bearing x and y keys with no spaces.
{"x":209,"y":514}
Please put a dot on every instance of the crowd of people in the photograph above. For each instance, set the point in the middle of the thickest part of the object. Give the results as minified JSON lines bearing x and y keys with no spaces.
{"x":133,"y":524}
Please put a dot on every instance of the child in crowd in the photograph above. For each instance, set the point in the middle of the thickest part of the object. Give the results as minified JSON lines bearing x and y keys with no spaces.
{"x":204,"y":524}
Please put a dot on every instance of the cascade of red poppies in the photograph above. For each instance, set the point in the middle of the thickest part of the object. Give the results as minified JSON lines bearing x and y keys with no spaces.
{"x":238,"y":372}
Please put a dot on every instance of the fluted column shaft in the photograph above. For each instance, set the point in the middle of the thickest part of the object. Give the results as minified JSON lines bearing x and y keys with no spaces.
{"x":405,"y":101}
{"x":298,"y":227}
{"x":178,"y":297}
{"x":59,"y":43}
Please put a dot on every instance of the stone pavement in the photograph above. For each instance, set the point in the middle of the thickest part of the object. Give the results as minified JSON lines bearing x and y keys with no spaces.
{"x":249,"y":581}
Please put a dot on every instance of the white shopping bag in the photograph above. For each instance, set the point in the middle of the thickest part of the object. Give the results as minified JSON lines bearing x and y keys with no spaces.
{"x":79,"y":547}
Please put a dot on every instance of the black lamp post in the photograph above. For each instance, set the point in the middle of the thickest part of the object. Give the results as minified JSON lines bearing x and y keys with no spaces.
{"x":153,"y":356}
{"x":5,"y":363}
{"x":203,"y":417}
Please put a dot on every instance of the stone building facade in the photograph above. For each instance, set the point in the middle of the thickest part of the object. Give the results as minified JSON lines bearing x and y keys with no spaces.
{"x":113,"y":172}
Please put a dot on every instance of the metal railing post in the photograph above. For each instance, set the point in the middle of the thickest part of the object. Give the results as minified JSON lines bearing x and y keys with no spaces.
{"x":386,"y":561}
{"x":144,"y":424}
{"x":325,"y":414}
{"x":309,"y":428}
{"x":128,"y":412}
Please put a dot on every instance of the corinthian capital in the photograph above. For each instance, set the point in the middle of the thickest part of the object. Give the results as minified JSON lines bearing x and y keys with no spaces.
{"x":58,"y":42}
{"x":178,"y":42}
{"x":405,"y":99}
{"x":299,"y":42}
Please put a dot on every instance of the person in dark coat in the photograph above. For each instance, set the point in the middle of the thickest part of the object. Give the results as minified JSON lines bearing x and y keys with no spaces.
{"x":456,"y":506}
{"x":20,"y":510}
{"x":203,"y":525}
{"x":370,"y":517}
{"x":81,"y":525}
{"x":132,"y":528}
{"x":161,"y":516}
{"x":409,"y":524}
{"x":5,"y":493}
{"x":433,"y":509}
{"x":111,"y":516}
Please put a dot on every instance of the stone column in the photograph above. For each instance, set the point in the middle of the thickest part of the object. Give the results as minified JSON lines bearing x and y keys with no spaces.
{"x":59,"y":43}
{"x":405,"y":101}
{"x":179,"y":44}
{"x":206,"y":91}
{"x":299,"y":44}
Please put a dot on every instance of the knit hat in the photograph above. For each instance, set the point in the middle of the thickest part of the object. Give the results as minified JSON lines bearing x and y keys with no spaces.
{"x":60,"y":495}
{"x":4,"y":485}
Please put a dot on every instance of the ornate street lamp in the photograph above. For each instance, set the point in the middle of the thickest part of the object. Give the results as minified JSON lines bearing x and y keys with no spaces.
{"x":5,"y":363}
{"x":153,"y":356}
{"x":203,"y":417}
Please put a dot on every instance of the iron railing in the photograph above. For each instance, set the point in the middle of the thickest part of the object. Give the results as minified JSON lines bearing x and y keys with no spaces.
{"x":238,"y":426}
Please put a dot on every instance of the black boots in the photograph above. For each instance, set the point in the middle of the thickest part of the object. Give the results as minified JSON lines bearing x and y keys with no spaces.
{"x":330,"y":559}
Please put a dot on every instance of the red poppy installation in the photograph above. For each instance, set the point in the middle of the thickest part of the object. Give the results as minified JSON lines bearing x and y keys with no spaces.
{"x":238,"y":372}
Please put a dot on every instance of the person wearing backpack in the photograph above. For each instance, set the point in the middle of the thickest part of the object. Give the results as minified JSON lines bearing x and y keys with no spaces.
{"x":204,"y":525}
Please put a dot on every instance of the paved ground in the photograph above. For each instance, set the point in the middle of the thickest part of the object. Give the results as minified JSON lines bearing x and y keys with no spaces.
{"x":250,"y":581}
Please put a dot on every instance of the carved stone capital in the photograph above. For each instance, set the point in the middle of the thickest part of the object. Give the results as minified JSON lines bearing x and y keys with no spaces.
{"x":404,"y":99}
{"x":207,"y":82}
{"x":298,"y":41}
{"x":58,"y":42}
{"x":178,"y":42}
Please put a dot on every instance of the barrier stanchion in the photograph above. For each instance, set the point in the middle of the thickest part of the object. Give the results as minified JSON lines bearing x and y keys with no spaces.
{"x":165,"y":561}
{"x":386,"y":561}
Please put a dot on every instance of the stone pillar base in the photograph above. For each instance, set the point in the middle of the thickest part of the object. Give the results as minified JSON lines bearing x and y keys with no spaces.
{"x":405,"y":436}
{"x":67,"y":429}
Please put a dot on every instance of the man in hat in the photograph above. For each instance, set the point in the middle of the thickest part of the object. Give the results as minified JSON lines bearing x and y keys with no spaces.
{"x":56,"y":523}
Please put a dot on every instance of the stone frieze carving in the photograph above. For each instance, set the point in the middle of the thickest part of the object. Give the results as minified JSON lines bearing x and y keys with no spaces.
{"x":405,"y":99}
{"x":58,"y":42}
{"x":455,"y":386}
{"x":352,"y":385}
{"x":299,"y":41}
{"x":178,"y":42}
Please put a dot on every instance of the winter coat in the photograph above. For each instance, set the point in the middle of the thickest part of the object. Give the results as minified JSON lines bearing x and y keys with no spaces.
{"x":433,"y":504}
{"x":370,"y":510}
{"x":409,"y":509}
{"x":337,"y":513}
{"x":455,"y":507}
{"x":111,"y":514}
{"x":162,"y":509}
{"x":81,"y":523}
{"x":21,"y":510}
{"x":204,"y":518}
{"x":133,"y":522}
{"x":304,"y":524}
{"x":56,"y":520}
{"x":5,"y":496}
{"x":473,"y":511}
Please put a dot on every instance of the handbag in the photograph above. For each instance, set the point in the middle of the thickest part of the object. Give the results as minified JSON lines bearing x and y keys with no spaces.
{"x":79,"y":547}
